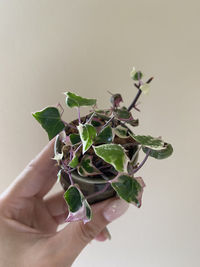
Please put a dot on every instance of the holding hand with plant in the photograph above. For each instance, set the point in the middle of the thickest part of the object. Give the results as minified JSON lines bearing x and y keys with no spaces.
{"x":97,"y":158}
{"x":98,"y":154}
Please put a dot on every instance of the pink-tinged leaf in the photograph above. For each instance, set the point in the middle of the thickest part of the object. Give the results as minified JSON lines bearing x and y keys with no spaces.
{"x":87,"y":168}
{"x":123,"y":114}
{"x":129,"y":188}
{"x":142,"y":184}
{"x":79,"y":209}
{"x":80,"y":215}
{"x":116,"y":99}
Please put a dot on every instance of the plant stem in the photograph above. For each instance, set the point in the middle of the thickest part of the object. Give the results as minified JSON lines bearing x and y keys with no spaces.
{"x":99,"y":192}
{"x":70,"y":178}
{"x":89,"y":120}
{"x":132,"y":105}
{"x":79,"y":115}
{"x":62,"y":109}
{"x":78,"y":148}
{"x":109,"y":121}
{"x":143,"y":162}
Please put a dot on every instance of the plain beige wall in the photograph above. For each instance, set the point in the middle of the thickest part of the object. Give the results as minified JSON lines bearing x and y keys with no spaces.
{"x":89,"y":46}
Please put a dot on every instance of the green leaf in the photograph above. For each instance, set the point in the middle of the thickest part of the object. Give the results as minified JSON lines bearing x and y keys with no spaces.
{"x":73,"y":198}
{"x":105,"y":136}
{"x":163,"y":153}
{"x":122,"y":114}
{"x":115,"y":100}
{"x":133,"y":122}
{"x":137,"y":76}
{"x":113,"y":154}
{"x":74,"y":162}
{"x":73,"y":100}
{"x":75,"y":138}
{"x":59,"y":175}
{"x":87,"y":133}
{"x":105,"y":112}
{"x":145,"y":88}
{"x":121,"y":131}
{"x":96,"y":123}
{"x":58,"y":156}
{"x":50,"y":120}
{"x":128,"y":188}
{"x":148,"y":141}
{"x":79,"y":209}
{"x":86,"y":167}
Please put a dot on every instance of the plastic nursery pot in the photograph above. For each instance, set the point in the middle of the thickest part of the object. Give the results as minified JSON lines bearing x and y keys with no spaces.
{"x":88,"y":185}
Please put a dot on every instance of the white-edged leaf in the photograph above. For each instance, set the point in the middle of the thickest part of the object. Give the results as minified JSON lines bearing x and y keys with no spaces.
{"x":73,"y":100}
{"x":113,"y":154}
{"x":87,"y":168}
{"x":148,"y":141}
{"x":121,"y":131}
{"x":87,"y":134}
{"x":145,"y":88}
{"x":79,"y":209}
{"x":58,"y":156}
{"x":74,"y":162}
{"x":162,"y":153}
{"x":128,"y":188}
{"x":59,"y":176}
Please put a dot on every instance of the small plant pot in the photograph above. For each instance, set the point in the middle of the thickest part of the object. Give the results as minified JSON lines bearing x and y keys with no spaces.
{"x":88,"y":185}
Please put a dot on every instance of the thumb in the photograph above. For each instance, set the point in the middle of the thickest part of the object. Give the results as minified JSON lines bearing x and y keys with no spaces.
{"x":75,"y":236}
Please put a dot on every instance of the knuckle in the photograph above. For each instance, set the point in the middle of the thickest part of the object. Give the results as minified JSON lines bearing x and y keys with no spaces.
{"x":88,"y":231}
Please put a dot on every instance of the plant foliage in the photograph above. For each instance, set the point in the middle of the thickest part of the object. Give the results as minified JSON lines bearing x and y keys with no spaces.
{"x":102,"y":143}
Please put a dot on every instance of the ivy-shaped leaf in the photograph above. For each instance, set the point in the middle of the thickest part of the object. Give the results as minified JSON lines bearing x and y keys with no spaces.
{"x":59,"y":175}
{"x":162,"y":153}
{"x":50,"y":120}
{"x":96,"y":122}
{"x":123,"y":114}
{"x":73,"y":100}
{"x":79,"y":209}
{"x":128,"y":188}
{"x":75,"y":138}
{"x":136,"y":75}
{"x":113,"y":154}
{"x":121,"y":131}
{"x":104,"y":112}
{"x":148,"y":141}
{"x":58,"y":156}
{"x":74,"y":162}
{"x":116,"y":99}
{"x":87,"y":134}
{"x":105,"y":136}
{"x":133,"y":122}
{"x":145,"y":88}
{"x":86,"y":167}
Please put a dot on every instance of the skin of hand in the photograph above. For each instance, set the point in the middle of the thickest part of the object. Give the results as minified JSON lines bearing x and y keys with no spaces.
{"x":29,"y":221}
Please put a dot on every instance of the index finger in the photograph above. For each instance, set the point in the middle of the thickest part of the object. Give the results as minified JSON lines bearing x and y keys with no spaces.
{"x":39,"y":175}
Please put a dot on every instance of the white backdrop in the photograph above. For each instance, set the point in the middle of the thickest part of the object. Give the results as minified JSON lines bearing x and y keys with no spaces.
{"x":89,"y":46}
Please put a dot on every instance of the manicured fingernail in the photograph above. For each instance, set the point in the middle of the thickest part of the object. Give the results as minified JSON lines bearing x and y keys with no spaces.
{"x":115,"y":209}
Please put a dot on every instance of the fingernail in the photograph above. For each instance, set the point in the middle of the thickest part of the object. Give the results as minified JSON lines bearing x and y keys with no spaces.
{"x":115,"y":209}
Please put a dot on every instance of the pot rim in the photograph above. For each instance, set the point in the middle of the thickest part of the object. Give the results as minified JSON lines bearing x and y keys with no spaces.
{"x":89,"y":180}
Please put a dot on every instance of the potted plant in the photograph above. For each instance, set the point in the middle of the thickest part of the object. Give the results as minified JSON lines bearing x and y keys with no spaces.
{"x":98,"y":153}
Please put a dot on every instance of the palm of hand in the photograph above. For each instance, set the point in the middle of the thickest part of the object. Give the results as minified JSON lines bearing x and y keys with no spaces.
{"x":28,"y":221}
{"x":25,"y":203}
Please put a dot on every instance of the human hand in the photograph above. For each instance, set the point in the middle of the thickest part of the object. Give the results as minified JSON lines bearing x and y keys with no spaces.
{"x":28,"y":222}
